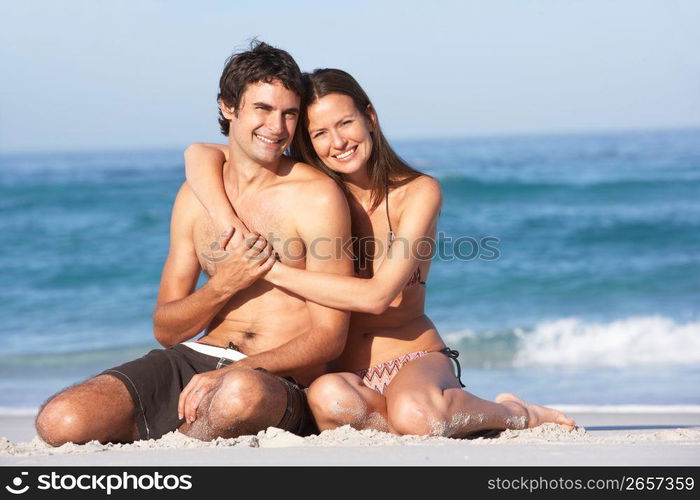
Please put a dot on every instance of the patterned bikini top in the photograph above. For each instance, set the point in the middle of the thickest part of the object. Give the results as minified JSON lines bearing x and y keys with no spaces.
{"x":416,"y":278}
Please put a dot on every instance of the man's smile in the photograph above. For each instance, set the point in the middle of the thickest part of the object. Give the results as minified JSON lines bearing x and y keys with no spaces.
{"x":267,"y":140}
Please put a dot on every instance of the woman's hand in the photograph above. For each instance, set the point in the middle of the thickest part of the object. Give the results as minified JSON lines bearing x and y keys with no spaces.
{"x":225,"y":225}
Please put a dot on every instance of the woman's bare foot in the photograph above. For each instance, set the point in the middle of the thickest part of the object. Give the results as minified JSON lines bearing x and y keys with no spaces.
{"x":533,"y":415}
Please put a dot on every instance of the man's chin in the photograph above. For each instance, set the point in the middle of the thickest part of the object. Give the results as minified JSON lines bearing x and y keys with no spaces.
{"x":268,"y":158}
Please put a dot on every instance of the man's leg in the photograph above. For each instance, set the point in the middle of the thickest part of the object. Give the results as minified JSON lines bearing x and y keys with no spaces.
{"x":338,"y":399}
{"x":425,"y":398}
{"x":245,"y":402}
{"x":98,"y":409}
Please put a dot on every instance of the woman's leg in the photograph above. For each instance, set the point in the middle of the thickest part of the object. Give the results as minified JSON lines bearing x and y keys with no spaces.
{"x":338,"y":399}
{"x":425,"y":398}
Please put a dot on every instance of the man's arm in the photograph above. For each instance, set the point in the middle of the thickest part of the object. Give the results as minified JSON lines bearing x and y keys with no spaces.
{"x":181,"y":313}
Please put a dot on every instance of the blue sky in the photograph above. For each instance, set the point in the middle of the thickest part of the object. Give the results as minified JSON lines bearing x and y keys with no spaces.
{"x":82,"y":75}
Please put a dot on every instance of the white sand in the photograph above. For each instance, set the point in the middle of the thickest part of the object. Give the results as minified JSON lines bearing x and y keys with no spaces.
{"x":612,"y":437}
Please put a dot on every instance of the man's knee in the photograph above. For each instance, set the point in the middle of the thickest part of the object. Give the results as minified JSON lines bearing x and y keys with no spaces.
{"x":419,"y":415}
{"x":64,"y":419}
{"x":333,"y":399}
{"x":58,"y":422}
{"x":244,"y":395}
{"x":78,"y":414}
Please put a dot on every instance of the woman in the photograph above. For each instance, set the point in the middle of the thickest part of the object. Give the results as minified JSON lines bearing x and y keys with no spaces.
{"x":396,"y":373}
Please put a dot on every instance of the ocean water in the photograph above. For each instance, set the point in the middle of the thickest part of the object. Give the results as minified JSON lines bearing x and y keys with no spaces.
{"x":568,"y":270}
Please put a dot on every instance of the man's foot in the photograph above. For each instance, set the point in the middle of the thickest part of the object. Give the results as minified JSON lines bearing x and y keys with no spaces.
{"x":529,"y":415}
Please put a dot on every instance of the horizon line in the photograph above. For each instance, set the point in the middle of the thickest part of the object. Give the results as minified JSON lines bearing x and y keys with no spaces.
{"x":396,"y":139}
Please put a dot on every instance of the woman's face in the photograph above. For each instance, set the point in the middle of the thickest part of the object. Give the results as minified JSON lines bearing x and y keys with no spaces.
{"x":340,"y":133}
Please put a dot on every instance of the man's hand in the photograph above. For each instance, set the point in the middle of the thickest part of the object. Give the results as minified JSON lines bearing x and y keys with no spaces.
{"x":192,"y":395}
{"x":245,"y":260}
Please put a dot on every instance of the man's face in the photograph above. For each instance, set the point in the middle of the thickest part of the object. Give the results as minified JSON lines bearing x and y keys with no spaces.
{"x":264,"y":126}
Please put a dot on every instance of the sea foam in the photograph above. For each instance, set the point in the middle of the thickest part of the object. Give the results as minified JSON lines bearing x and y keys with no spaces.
{"x":644,"y":340}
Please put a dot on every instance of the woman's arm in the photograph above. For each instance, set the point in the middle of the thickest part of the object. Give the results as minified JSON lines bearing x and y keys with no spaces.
{"x":203,"y":168}
{"x":375,"y":294}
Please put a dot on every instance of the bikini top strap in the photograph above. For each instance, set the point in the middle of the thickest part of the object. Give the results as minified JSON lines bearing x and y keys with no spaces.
{"x":391,"y":230}
{"x":392,"y":236}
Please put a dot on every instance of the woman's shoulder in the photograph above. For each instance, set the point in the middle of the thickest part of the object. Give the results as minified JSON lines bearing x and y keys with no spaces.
{"x":418,"y":197}
{"x":423,"y":187}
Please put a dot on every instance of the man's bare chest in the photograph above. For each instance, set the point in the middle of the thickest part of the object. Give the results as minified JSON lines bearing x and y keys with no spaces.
{"x":268,"y":219}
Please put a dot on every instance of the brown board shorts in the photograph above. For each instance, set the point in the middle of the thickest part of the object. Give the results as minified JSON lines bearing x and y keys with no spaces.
{"x":156,"y":380}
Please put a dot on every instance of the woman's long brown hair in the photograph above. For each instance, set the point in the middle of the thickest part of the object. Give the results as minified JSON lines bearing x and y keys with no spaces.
{"x":384,"y":167}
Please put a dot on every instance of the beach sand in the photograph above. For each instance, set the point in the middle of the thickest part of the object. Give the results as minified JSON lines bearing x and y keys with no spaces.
{"x":606,"y":436}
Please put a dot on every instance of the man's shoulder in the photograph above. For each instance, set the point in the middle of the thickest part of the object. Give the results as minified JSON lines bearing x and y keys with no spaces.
{"x":300,"y":171}
{"x":314,"y":200}
{"x":184,"y":195}
{"x":186,"y":204}
{"x":311,"y":185}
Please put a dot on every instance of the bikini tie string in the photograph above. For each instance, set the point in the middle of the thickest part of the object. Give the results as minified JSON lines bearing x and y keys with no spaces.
{"x":453,"y":355}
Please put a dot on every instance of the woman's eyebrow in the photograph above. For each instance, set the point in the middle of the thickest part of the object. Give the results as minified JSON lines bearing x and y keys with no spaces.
{"x":312,"y":130}
{"x":344,"y":118}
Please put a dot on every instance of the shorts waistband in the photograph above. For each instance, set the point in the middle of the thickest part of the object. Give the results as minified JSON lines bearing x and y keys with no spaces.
{"x":215,"y":351}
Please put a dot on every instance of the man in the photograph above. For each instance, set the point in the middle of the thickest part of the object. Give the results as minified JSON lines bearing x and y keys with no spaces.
{"x":256,"y":334}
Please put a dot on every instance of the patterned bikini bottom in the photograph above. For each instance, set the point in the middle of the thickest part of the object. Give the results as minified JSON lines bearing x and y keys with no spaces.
{"x":379,"y":376}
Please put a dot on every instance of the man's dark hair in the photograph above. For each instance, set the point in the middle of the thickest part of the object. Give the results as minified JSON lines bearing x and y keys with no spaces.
{"x":260,"y":63}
